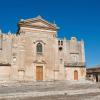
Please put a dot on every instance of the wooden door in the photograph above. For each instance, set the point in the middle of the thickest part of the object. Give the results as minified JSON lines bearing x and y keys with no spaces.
{"x":75,"y":75}
{"x":39,"y":73}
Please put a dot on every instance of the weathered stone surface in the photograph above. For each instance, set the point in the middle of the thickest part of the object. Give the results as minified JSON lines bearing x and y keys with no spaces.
{"x":60,"y":59}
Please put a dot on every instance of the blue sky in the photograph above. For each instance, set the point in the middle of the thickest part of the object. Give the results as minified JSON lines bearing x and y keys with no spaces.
{"x":80,"y":18}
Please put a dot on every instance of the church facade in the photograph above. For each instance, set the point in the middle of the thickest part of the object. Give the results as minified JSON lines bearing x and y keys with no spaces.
{"x":36,"y":54}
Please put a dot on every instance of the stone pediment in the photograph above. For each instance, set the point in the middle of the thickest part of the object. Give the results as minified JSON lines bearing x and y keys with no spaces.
{"x":38,"y":23}
{"x":39,"y":62}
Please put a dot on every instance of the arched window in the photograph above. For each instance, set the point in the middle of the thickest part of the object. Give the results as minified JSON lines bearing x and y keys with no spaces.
{"x":60,"y":48}
{"x":39,"y":48}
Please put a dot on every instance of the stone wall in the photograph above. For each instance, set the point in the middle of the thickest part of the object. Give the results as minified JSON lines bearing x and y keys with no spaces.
{"x":5,"y":72}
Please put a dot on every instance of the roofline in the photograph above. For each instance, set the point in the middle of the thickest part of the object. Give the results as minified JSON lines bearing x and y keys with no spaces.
{"x":39,"y":18}
{"x":93,"y":68}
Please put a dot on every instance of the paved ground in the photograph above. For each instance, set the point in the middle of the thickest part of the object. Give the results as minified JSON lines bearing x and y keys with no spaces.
{"x":58,"y":90}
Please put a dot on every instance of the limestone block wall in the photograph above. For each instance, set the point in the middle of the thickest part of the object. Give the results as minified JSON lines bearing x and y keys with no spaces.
{"x":6,"y":51}
{"x":69,"y":73}
{"x":74,"y":51}
{"x":5,"y":72}
{"x":32,"y":37}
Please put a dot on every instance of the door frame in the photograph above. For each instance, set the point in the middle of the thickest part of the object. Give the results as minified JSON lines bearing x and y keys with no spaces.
{"x":34,"y":70}
{"x":41,"y":79}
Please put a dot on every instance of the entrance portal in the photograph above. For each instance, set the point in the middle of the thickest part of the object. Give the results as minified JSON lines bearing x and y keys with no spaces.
{"x":39,"y":73}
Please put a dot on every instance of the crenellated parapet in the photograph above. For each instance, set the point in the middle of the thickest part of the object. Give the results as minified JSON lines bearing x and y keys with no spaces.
{"x":6,"y":40}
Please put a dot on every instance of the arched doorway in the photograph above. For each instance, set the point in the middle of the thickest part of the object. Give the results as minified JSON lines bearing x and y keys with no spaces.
{"x":75,"y":75}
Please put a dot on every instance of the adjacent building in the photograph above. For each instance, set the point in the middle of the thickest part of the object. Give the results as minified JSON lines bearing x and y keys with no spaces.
{"x":93,"y":74}
{"x":35,"y":53}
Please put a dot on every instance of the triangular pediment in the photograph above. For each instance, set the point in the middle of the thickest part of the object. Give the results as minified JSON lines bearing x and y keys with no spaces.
{"x":39,"y":23}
